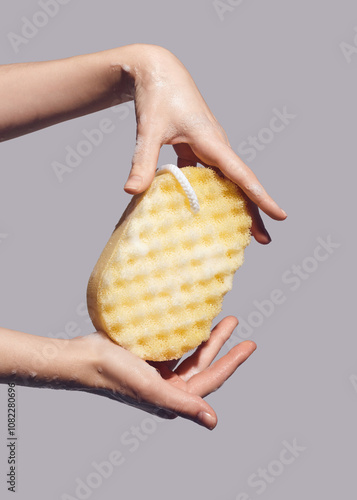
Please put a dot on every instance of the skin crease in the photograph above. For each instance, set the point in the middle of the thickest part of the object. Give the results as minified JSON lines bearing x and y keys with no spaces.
{"x":169,"y":110}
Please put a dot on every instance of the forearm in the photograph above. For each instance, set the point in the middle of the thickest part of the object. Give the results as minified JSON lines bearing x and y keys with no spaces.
{"x":39,"y":94}
{"x":37,"y":361}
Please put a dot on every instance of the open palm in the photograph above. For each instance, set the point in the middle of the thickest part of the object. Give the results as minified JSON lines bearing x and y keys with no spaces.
{"x":160,"y":388}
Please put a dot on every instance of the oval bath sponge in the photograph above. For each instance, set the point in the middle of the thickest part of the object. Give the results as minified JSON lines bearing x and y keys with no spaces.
{"x":161,"y":278}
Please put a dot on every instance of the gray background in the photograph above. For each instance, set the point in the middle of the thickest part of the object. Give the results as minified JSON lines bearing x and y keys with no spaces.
{"x":298,"y":385}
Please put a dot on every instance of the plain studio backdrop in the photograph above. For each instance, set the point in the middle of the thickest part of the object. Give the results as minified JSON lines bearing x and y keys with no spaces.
{"x":287,"y":418}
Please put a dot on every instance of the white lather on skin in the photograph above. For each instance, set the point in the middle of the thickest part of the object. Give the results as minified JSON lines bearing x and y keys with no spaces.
{"x":141,"y":148}
{"x":256,"y":189}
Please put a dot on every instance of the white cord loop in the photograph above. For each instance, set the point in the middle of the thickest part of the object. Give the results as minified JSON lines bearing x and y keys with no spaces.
{"x":186,"y":186}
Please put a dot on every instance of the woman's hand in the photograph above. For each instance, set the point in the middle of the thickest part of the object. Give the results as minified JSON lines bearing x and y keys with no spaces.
{"x":95,"y":364}
{"x":171,"y":110}
{"x":156,"y":387}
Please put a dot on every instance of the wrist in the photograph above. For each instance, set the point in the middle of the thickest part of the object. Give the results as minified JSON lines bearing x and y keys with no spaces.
{"x":36,"y":361}
{"x":74,"y":364}
{"x":132,"y":65}
{"x":145,"y":64}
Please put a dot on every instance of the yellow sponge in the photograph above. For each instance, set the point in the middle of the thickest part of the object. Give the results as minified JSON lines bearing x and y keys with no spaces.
{"x":161,"y":278}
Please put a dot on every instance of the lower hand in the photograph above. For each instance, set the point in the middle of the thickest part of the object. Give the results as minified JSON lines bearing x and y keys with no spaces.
{"x":158,"y":388}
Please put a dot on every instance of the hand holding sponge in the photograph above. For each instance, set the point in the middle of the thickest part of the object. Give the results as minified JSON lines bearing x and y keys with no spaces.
{"x":161,"y":278}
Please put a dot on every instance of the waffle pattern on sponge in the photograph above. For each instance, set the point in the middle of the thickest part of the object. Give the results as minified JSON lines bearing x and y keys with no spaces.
{"x":162,"y":276}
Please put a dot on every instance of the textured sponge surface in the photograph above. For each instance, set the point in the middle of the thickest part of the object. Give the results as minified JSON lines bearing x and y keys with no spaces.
{"x":162,"y":276}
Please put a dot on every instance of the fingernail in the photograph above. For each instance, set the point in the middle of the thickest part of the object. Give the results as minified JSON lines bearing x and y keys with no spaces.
{"x":206,"y":419}
{"x":283,"y":211}
{"x":253,"y":344}
{"x":268,"y":236}
{"x":134,"y":182}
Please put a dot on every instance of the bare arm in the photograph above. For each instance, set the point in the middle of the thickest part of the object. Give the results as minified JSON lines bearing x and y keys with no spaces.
{"x":39,"y":94}
{"x":95,"y":364}
{"x":32,"y":360}
{"x":169,"y":110}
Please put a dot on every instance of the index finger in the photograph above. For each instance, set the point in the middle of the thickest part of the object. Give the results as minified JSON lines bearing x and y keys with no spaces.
{"x":237,"y":171}
{"x":213,"y":377}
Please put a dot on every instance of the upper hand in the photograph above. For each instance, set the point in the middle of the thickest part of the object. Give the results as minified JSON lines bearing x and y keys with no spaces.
{"x":170,"y":110}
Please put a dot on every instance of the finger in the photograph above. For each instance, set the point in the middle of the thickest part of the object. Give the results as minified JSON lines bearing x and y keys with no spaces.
{"x":235,"y":169}
{"x":258,"y":228}
{"x":169,"y":375}
{"x":156,"y":396}
{"x":168,"y":415}
{"x":182,"y":162}
{"x":207,"y":351}
{"x":153,"y":410}
{"x":185,"y":156}
{"x":190,"y":406}
{"x":144,"y":164}
{"x":116,"y":396}
{"x":172,"y":363}
{"x":214,"y":376}
{"x":163,"y":365}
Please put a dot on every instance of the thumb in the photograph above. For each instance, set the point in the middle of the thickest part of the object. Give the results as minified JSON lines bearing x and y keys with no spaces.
{"x":144,"y":164}
{"x":184,"y":404}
